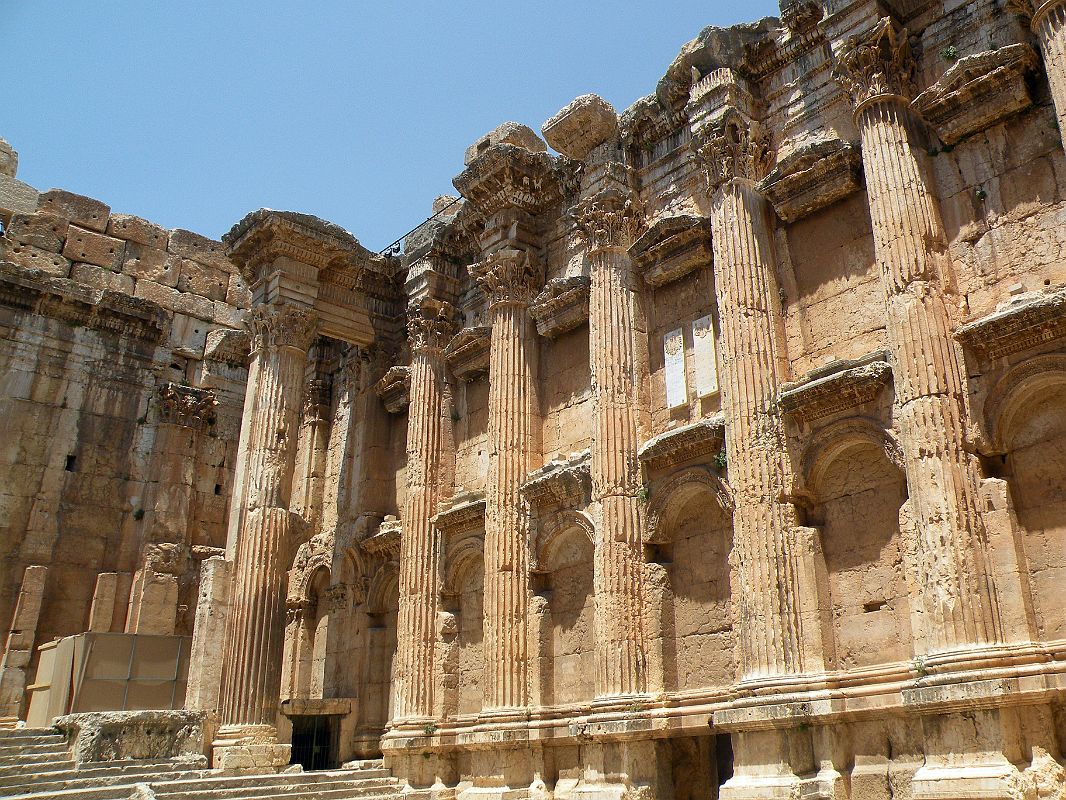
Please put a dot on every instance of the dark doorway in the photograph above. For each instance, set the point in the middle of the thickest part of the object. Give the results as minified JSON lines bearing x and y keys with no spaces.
{"x":314,"y":742}
{"x":723,"y":758}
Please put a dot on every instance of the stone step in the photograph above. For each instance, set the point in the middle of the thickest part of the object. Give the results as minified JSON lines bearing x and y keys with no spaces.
{"x":220,"y":783}
{"x":30,"y":765}
{"x":40,"y":752}
{"x":15,"y":749}
{"x":252,"y":791}
{"x":72,"y":776}
{"x":19,"y":734}
{"x":31,"y":741}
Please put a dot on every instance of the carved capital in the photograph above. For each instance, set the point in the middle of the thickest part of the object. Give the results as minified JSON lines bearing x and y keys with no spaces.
{"x":732,"y":148}
{"x":610,"y":218}
{"x":509,"y":276}
{"x":876,"y":64}
{"x":281,"y":325}
{"x":430,"y":325}
{"x":1033,"y":11}
{"x":185,"y":406}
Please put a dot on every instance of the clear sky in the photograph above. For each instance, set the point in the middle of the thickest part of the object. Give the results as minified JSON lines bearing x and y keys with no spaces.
{"x":192,"y":114}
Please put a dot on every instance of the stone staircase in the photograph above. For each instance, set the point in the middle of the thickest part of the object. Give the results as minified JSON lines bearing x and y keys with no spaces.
{"x":36,"y":765}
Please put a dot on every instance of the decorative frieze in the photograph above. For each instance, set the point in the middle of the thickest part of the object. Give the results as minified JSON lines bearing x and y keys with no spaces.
{"x":562,"y":306}
{"x":394,"y":389}
{"x":562,"y":482}
{"x":1025,"y":322}
{"x":978,"y":91}
{"x":671,"y":248}
{"x":186,"y":406}
{"x":462,"y":512}
{"x":468,"y":352}
{"x":812,"y":178}
{"x":836,"y":387}
{"x":702,"y":439}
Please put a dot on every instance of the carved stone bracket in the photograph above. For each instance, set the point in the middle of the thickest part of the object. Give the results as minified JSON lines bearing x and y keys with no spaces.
{"x":800,"y":16}
{"x":1025,"y":322}
{"x":468,"y":352}
{"x":565,"y":483}
{"x":562,"y":306}
{"x":701,"y":439}
{"x":876,"y":64}
{"x":836,"y":387}
{"x":671,"y":248}
{"x":186,"y":406}
{"x":394,"y":389}
{"x":812,"y":178}
{"x":978,"y":91}
{"x":386,"y":541}
{"x":464,"y":512}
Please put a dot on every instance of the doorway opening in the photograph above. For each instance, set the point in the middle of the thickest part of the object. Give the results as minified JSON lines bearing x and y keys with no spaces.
{"x":314,"y":742}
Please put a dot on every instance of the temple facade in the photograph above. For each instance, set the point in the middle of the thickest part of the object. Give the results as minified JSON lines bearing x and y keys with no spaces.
{"x":714,"y":448}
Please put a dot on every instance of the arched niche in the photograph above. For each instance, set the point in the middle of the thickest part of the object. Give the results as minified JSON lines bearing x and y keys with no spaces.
{"x":856,"y":487}
{"x":1030,"y":426}
{"x":464,"y":585}
{"x":566,"y":559}
{"x":313,"y":635}
{"x":690,"y":533}
{"x":382,"y":602}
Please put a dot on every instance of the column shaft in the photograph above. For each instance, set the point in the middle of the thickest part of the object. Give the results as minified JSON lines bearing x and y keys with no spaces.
{"x":1049,"y":25}
{"x":942,"y":475}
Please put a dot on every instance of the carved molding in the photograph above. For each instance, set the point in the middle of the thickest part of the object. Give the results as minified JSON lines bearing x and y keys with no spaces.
{"x":394,"y":389}
{"x":508,"y":176}
{"x":265,"y":235}
{"x":801,"y":16}
{"x":562,"y":306}
{"x":281,"y":325}
{"x":836,"y":387}
{"x":1034,"y":11}
{"x":463,"y":512}
{"x":978,"y":91}
{"x":1024,"y":323}
{"x":385,"y":541}
{"x":876,"y":64}
{"x":609,"y":218}
{"x":701,"y":439}
{"x":812,"y":178}
{"x":732,"y":147}
{"x":509,"y":276}
{"x":563,"y":483}
{"x":468,"y":352}
{"x":671,"y":248}
{"x":186,"y":406}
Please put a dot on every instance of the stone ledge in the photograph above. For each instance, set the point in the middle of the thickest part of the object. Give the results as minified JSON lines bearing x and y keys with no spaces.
{"x":468,"y":352}
{"x":836,"y":387}
{"x":463,"y":512}
{"x":978,"y":91}
{"x":812,"y":178}
{"x":566,"y":482}
{"x":562,"y":306}
{"x":671,"y":248}
{"x":394,"y":389}
{"x":1022,"y":323}
{"x":702,"y":438}
{"x":387,"y":539}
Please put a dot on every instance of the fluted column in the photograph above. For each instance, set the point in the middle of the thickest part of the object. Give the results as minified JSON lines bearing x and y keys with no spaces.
{"x":911,"y":251}
{"x":609,"y":221}
{"x":1048,"y":21}
{"x":510,"y":278}
{"x":734,"y":154}
{"x":429,"y":325}
{"x":281,"y":335}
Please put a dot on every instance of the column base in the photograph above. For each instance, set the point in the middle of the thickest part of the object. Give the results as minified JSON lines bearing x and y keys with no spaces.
{"x":249,"y":748}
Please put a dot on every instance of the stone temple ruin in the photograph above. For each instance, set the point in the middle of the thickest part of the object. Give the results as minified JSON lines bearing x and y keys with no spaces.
{"x":722,"y":454}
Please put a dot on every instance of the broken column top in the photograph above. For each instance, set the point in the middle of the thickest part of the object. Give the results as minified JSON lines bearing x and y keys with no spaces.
{"x":9,"y":159}
{"x":508,"y":133}
{"x":581,"y":125}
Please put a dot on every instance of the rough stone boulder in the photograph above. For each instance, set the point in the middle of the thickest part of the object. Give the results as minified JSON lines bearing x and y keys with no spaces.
{"x":508,"y":133}
{"x":581,"y":125}
{"x":118,"y":735}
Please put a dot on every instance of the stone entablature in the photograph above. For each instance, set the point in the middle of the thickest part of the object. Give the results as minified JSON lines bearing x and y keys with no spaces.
{"x":838,"y":386}
{"x":510,"y":176}
{"x":1023,"y":323}
{"x":671,"y":248}
{"x":394,"y":389}
{"x":562,"y":482}
{"x":978,"y":91}
{"x":702,"y":439}
{"x":813,"y":177}
{"x":562,"y":306}
{"x":468,"y":352}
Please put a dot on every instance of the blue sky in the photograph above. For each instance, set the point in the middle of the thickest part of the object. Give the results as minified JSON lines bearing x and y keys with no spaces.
{"x":192,"y":114}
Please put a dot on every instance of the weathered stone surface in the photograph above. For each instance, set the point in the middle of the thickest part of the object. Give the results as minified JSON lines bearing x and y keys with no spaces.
{"x":85,"y":212}
{"x":514,"y":133}
{"x":94,"y":248}
{"x":100,"y":278}
{"x":581,"y":125}
{"x":135,"y":229}
{"x":30,"y":257}
{"x":43,"y":231}
{"x":150,"y":263}
{"x":199,"y":248}
{"x":118,"y":735}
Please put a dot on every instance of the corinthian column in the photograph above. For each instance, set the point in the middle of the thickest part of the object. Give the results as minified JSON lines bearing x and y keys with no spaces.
{"x":1047,"y":18}
{"x":609,"y":221}
{"x":429,"y":326}
{"x":281,"y":335}
{"x":911,"y":251}
{"x":734,"y":153}
{"x":511,"y":278}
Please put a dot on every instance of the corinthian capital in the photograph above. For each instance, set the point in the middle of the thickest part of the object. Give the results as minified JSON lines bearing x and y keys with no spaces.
{"x":186,"y":406}
{"x":876,"y":64}
{"x":1034,"y":11}
{"x":430,"y":325}
{"x":732,"y":147}
{"x":509,"y":276}
{"x":281,"y":325}
{"x":610,"y":218}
